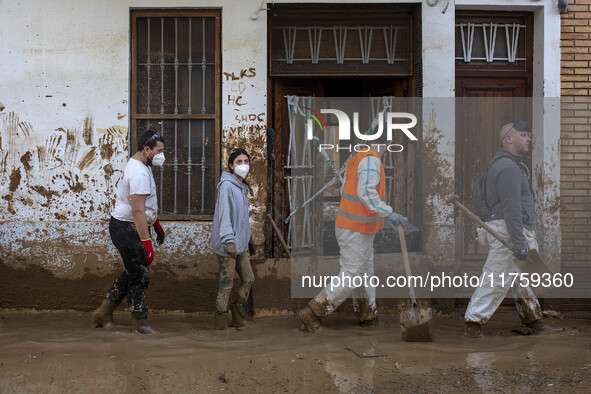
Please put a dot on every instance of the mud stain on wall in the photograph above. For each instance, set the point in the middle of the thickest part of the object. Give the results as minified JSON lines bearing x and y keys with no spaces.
{"x":253,"y":138}
{"x":26,"y":160}
{"x":106,"y":146}
{"x":8,"y":198}
{"x":87,"y":131}
{"x":26,"y":128}
{"x":48,"y":194}
{"x":87,"y":159}
{"x":73,"y":182}
{"x":15,"y":179}
{"x":115,"y":131}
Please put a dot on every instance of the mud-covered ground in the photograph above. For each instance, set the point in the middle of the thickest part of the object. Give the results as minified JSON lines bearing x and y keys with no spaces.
{"x":61,"y":352}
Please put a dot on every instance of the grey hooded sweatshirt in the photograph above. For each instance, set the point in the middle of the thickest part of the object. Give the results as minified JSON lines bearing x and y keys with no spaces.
{"x":230,"y":219}
{"x":509,"y":196}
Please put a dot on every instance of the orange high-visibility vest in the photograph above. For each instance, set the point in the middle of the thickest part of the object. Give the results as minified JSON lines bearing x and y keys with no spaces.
{"x":353,"y":215}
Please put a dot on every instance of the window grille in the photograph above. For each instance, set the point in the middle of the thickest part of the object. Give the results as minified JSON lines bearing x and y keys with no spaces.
{"x":176,"y":92}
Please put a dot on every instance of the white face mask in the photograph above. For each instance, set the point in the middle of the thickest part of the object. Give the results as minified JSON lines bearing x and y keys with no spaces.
{"x":158,"y":159}
{"x":241,"y":170}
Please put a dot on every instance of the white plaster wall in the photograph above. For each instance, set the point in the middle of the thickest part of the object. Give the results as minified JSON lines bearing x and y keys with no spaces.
{"x":438,"y":145}
{"x":64,"y":86}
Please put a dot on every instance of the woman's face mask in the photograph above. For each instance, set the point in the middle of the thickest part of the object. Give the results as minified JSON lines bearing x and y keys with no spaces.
{"x":242,"y":170}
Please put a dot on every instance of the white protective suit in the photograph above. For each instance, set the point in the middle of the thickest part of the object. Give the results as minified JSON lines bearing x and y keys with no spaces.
{"x":356,"y":251}
{"x":486,"y":298}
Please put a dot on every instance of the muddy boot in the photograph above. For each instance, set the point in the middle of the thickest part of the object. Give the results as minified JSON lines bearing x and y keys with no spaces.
{"x":536,"y":326}
{"x":103,"y":316}
{"x":310,"y":322}
{"x":238,"y":315}
{"x":472,"y":329}
{"x":220,"y":321}
{"x":141,"y":326}
{"x":369,"y":323}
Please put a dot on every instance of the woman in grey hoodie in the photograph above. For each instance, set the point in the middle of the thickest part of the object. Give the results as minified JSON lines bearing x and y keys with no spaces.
{"x":231,"y":241}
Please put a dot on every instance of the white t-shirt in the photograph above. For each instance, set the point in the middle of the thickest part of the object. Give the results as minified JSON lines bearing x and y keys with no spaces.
{"x":137,"y":178}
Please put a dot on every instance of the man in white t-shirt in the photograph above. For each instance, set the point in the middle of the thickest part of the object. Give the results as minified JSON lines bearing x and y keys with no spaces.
{"x":136,"y":209}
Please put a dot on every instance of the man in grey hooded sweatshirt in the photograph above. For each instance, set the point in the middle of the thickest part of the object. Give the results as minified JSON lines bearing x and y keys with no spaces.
{"x":230,"y":239}
{"x":512,"y":205}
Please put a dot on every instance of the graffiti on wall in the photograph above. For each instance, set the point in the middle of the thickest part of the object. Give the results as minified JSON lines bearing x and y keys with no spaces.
{"x":247,"y":128}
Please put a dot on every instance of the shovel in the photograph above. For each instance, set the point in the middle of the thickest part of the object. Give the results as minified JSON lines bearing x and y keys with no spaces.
{"x":532,"y":264}
{"x":416,"y":323}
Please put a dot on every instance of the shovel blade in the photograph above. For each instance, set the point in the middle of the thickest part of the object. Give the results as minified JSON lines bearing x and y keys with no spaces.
{"x":416,"y":324}
{"x":533,"y":264}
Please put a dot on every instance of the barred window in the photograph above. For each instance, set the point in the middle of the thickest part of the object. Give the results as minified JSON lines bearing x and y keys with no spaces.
{"x":175,"y":78}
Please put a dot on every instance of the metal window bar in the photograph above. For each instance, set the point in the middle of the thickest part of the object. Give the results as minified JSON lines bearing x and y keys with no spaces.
{"x":292,"y":204}
{"x":365,"y":39}
{"x":148,"y":67}
{"x":467,"y":41}
{"x":340,"y":41}
{"x":289,"y":39}
{"x":176,"y":159}
{"x":161,"y":65}
{"x":306,"y":225}
{"x":161,"y":171}
{"x":512,"y":31}
{"x":190,"y":126}
{"x":300,"y":231}
{"x":365,"y":36}
{"x":190,"y":66}
{"x":203,"y":110}
{"x":512,"y":41}
{"x":390,"y":42}
{"x":490,"y":39}
{"x":314,"y":37}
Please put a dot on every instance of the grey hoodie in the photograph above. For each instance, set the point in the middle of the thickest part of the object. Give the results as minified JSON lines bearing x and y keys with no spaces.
{"x":230,"y":219}
{"x":509,"y":196}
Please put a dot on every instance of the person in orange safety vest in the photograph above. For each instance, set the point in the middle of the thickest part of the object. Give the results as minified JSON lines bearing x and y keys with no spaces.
{"x":362,"y":212}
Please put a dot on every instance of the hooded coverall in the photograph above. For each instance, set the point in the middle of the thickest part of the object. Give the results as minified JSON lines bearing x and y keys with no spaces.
{"x":361,"y":214}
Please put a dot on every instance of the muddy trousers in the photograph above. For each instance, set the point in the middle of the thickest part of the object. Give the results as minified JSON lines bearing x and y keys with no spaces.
{"x":356,"y":260}
{"x":227,"y":266}
{"x":133,"y":282}
{"x":499,"y":266}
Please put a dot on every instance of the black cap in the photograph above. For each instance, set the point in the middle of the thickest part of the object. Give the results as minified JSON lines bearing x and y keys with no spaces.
{"x":520,"y":125}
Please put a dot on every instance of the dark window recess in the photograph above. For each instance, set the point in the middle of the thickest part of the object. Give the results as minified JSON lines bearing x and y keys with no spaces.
{"x":176,"y":92}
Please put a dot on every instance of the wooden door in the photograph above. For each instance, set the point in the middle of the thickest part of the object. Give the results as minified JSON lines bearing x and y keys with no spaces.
{"x":477,"y":124}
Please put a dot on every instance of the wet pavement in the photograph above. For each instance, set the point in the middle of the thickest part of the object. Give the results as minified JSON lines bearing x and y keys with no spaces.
{"x":61,"y":352}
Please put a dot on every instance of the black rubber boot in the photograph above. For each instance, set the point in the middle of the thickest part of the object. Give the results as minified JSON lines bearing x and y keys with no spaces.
{"x":103,"y":316}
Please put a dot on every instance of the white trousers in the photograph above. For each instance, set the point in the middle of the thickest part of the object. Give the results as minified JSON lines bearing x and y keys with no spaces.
{"x":500,"y":264}
{"x":356,"y":259}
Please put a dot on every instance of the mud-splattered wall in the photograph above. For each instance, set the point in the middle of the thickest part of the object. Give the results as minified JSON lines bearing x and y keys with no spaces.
{"x":64,"y":117}
{"x":64,"y":77}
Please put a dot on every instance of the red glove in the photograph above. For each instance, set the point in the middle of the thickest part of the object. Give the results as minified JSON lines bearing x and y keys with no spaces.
{"x":159,"y":232}
{"x":148,"y":245}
